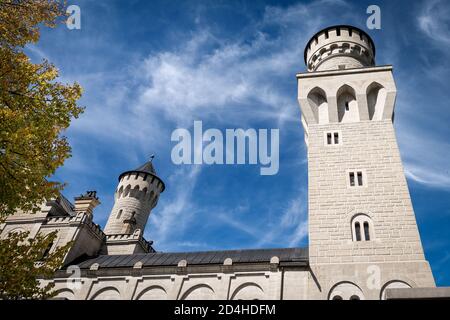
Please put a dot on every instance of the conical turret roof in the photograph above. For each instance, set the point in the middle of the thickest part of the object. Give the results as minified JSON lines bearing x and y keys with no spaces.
{"x":146,"y":168}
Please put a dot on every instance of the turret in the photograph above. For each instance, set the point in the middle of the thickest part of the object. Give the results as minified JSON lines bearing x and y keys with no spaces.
{"x":136,"y":195}
{"x":339,"y":47}
{"x":86,"y":203}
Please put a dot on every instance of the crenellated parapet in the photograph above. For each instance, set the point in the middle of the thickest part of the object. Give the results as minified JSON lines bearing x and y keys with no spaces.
{"x":128,"y":243}
{"x":339,"y":47}
{"x":81,"y":218}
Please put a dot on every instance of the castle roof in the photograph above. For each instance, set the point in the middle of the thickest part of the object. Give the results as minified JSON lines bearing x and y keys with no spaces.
{"x":146,"y":168}
{"x":287,"y":257}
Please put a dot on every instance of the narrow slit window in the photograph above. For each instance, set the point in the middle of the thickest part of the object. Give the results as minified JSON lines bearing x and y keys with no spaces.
{"x":347,"y":106}
{"x":336,"y":138}
{"x":329,"y":138}
{"x":47,"y":251}
{"x":358,"y":231}
{"x":366,"y":231}
{"x":360,"y":178}
{"x":119,"y":214}
{"x":352,"y":179}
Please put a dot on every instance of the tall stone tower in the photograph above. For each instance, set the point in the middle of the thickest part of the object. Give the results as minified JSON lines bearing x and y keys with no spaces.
{"x":136,"y":195}
{"x":363,"y":236}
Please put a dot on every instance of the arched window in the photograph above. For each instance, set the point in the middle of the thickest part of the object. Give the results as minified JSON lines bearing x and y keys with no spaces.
{"x":135,"y":192}
{"x":333,"y":48}
{"x":345,"y":47}
{"x":362,"y":227}
{"x":376,"y":98}
{"x":318,"y":101}
{"x":394,"y":284}
{"x":347,"y":105}
{"x":120,"y":192}
{"x":151,"y":196}
{"x":345,"y":291}
{"x":248,"y":291}
{"x":127,"y":191}
{"x":144,"y":193}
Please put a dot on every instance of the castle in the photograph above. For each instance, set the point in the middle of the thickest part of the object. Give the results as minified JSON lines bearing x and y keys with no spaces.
{"x":363,"y":237}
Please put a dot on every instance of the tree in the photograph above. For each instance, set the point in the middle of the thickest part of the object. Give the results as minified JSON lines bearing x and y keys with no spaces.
{"x":23,"y":260}
{"x":35,"y":109}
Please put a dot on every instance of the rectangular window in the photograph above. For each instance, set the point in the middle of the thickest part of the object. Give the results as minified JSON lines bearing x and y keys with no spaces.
{"x":329,"y":138}
{"x":336,"y":138}
{"x":360,"y":178}
{"x":332,"y":138}
{"x":356,"y":178}
{"x":352,"y":179}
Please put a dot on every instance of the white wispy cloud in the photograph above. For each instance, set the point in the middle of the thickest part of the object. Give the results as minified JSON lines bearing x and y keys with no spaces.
{"x":434,"y":21}
{"x":176,"y":213}
{"x":424,"y":150}
{"x":205,"y":77}
{"x":239,"y":225}
{"x":424,"y":175}
{"x":291,"y":224}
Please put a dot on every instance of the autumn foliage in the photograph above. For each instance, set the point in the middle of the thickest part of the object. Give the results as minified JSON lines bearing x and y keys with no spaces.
{"x":35,"y":108}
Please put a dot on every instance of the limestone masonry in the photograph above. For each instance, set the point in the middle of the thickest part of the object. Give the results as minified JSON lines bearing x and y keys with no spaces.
{"x":363,"y":237}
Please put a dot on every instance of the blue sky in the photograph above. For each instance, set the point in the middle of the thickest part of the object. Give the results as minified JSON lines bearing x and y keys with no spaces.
{"x":149,"y":67}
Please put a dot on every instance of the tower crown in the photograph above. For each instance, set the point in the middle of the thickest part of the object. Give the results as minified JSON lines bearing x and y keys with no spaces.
{"x":339,"y":47}
{"x":136,"y":195}
{"x":146,"y":169}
